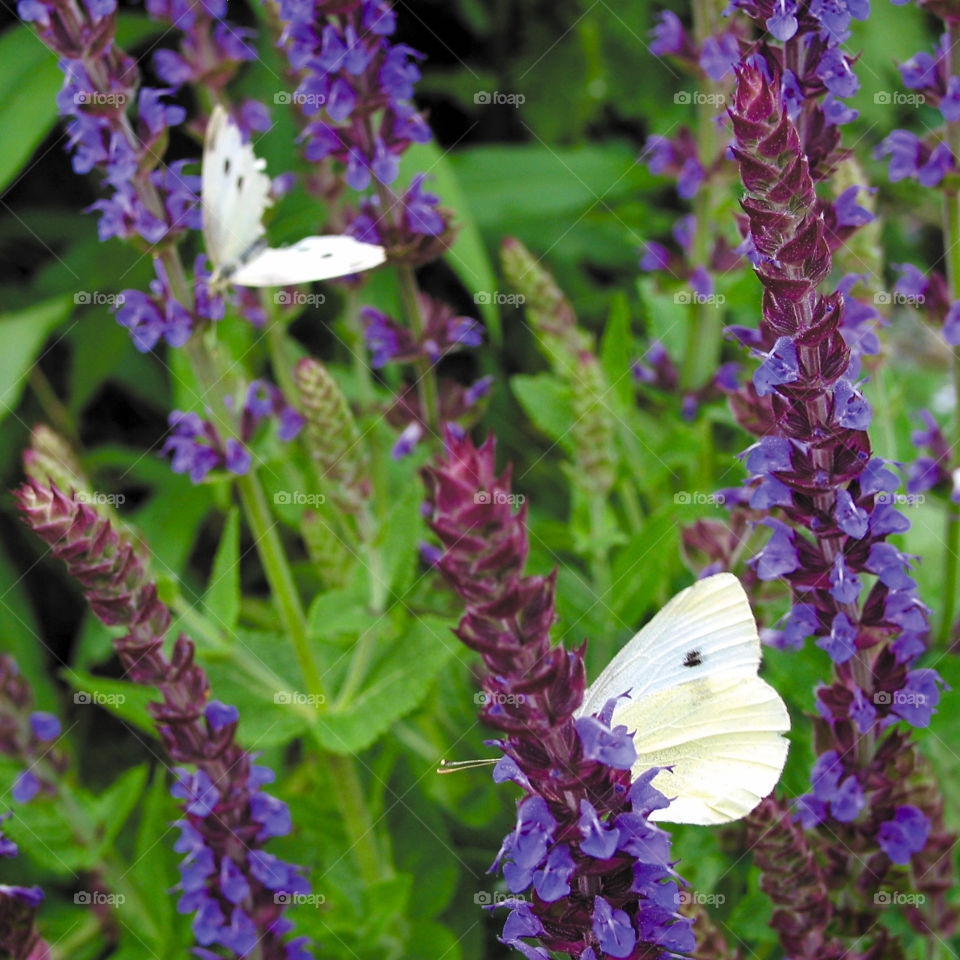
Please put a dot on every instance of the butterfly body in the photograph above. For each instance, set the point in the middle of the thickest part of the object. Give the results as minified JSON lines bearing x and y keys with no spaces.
{"x":235,"y":194}
{"x":696,"y":705}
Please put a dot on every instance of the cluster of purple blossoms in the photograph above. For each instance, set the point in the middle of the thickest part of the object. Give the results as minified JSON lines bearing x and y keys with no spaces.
{"x":603,"y":884}
{"x":101,"y":82}
{"x":27,"y":736}
{"x":19,"y":939}
{"x":209,"y":51}
{"x":160,"y":315}
{"x":229,"y":883}
{"x":827,"y":502}
{"x":359,"y":87}
{"x":443,"y":332}
{"x":932,"y":469}
{"x":198,"y":446}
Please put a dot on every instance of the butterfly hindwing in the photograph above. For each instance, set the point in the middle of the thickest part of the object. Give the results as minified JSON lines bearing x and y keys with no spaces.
{"x":313,"y":258}
{"x":695,"y":703}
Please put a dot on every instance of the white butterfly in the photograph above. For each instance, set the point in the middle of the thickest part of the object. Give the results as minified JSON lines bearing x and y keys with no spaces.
{"x":235,"y":194}
{"x":696,"y":705}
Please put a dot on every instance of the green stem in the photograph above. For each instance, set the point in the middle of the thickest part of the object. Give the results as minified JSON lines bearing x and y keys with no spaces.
{"x":426,"y":379}
{"x":349,"y":792}
{"x":705,"y":320}
{"x":52,"y":406}
{"x":280,"y":578}
{"x":951,"y":243}
{"x":77,"y":940}
{"x":600,"y":562}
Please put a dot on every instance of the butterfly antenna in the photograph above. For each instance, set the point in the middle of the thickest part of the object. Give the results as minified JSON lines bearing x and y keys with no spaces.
{"x":462,"y":765}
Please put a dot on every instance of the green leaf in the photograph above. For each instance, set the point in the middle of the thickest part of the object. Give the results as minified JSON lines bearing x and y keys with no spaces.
{"x":114,"y":806}
{"x":22,"y":334}
{"x":617,"y":352}
{"x":548,"y":402}
{"x":403,"y":528}
{"x":222,"y":598}
{"x":29,"y":83}
{"x":467,"y":256}
{"x":400,"y":678}
{"x":125,"y":700}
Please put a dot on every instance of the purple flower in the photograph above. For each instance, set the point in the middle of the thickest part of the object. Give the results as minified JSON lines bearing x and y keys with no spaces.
{"x":611,"y":747}
{"x":782,"y":23}
{"x":904,"y":835}
{"x":25,"y":787}
{"x":197,"y":789}
{"x":950,"y":101}
{"x":919,"y":71}
{"x":779,"y":366}
{"x":917,"y":700}
{"x":613,"y":929}
{"x":834,"y":70}
{"x":841,"y":644}
{"x":45,"y":726}
{"x":850,"y":409}
{"x":655,"y":256}
{"x":220,"y":715}
{"x":272,"y":814}
{"x":408,"y":439}
{"x":779,"y":556}
{"x":849,"y":213}
{"x":667,"y":34}
{"x":719,"y":56}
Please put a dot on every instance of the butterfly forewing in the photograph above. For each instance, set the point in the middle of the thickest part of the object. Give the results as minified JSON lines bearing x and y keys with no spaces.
{"x":235,"y":193}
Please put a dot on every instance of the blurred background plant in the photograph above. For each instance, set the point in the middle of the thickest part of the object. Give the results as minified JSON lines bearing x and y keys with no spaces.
{"x":570,"y":300}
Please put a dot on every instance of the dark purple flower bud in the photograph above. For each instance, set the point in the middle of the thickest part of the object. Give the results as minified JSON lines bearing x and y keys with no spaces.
{"x":904,"y":835}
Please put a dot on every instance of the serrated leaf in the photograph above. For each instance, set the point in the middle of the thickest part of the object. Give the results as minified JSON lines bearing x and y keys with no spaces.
{"x":221,"y":600}
{"x":22,"y":334}
{"x":400,"y":678}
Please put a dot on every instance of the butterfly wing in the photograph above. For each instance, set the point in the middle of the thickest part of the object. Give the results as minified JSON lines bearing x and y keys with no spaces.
{"x":235,"y":192}
{"x":697,"y":704}
{"x":722,"y":738}
{"x":313,"y":258}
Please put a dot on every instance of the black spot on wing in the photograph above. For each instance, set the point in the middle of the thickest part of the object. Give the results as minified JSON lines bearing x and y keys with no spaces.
{"x":692,"y":658}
